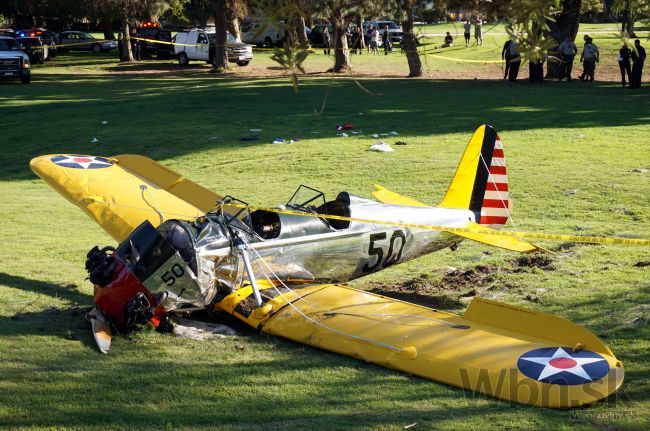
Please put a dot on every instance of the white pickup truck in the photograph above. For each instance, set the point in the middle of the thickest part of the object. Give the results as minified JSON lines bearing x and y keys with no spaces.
{"x":199,"y":45}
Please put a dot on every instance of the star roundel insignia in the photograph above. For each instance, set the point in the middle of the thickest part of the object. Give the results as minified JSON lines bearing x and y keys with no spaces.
{"x":81,"y":162}
{"x":562,"y":366}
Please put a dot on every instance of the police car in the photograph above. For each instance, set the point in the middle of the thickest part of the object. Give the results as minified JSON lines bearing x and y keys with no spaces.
{"x":14,"y":63}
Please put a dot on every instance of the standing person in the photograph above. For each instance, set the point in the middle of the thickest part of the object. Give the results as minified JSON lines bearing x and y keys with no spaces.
{"x":638,"y":58}
{"x":567,"y":51}
{"x":623,"y":57}
{"x":135,"y":45}
{"x":505,"y":55}
{"x":356,"y":41}
{"x":478,"y":31}
{"x":590,"y":56}
{"x":374,"y":41}
{"x":327,"y":41}
{"x":386,"y":40}
{"x":467,"y":34}
{"x":515,"y":61}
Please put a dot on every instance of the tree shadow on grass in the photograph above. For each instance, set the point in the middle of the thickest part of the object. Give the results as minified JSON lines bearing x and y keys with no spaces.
{"x":170,"y":116}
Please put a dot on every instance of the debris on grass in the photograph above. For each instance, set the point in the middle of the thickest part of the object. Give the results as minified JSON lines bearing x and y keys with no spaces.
{"x":197,"y":330}
{"x":642,"y":263}
{"x":640,"y":170}
{"x":571,"y":192}
{"x":381,"y":147}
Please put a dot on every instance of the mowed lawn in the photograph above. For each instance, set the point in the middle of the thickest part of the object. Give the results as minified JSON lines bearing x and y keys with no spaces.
{"x":578,"y":159}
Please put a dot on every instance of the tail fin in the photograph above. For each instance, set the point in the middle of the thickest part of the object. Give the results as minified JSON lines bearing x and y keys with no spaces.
{"x":480,"y":183}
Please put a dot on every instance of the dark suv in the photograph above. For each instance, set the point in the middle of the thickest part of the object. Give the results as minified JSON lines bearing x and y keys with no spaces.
{"x":13,"y":62}
{"x":158,"y":41}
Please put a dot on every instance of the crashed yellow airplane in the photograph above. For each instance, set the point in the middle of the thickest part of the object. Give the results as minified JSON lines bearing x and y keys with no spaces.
{"x":183,"y":247}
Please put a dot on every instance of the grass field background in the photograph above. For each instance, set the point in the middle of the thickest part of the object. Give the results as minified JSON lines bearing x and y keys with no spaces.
{"x":578,"y":160}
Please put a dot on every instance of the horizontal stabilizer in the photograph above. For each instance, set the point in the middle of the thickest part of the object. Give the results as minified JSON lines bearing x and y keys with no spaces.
{"x":383,"y":195}
{"x":482,"y":235}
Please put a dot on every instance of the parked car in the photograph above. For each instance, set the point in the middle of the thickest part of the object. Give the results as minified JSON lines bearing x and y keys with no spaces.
{"x":395,"y":32}
{"x":264,"y":34}
{"x":80,"y":41}
{"x":34,"y":48}
{"x":49,"y":38}
{"x":154,"y":35}
{"x":14,"y":63}
{"x":200,"y":45}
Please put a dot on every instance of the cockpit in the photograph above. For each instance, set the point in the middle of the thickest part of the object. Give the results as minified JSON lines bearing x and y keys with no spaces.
{"x":272,"y":225}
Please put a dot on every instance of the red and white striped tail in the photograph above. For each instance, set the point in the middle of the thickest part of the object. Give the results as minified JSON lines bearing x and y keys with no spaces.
{"x":494,"y":210}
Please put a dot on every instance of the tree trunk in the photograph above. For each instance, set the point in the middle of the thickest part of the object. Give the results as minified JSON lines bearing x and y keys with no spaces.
{"x":341,"y":51}
{"x":301,"y":31}
{"x":628,"y":23}
{"x":220,"y":60}
{"x":409,"y":41}
{"x":125,"y":53}
{"x":566,"y":25}
{"x":234,"y":29}
{"x":107,"y":27}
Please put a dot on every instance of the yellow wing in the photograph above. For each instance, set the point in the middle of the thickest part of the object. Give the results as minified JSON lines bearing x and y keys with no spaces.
{"x":479,"y":351}
{"x":121,"y":192}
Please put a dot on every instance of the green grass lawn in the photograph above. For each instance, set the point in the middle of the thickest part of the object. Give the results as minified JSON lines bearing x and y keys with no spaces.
{"x":578,"y":159}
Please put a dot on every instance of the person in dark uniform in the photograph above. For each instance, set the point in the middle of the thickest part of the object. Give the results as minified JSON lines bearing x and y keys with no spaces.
{"x":638,"y":58}
{"x":515,"y":62}
{"x":326,"y":41}
{"x":623,"y":57}
{"x":505,"y":55}
{"x":386,"y":41}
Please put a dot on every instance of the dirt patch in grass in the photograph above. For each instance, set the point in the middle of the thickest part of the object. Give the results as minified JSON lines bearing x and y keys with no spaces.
{"x":449,"y":288}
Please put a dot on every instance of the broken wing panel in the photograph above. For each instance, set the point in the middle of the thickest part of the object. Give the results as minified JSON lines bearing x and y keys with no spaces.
{"x":116,"y":197}
{"x":467,"y":352}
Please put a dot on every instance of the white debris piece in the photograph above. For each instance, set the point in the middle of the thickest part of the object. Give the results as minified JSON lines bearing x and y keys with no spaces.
{"x":374,"y":135}
{"x":279,"y":141}
{"x":394,"y":133}
{"x":94,"y":140}
{"x":104,"y":122}
{"x":382,"y":147}
{"x":254,"y":130}
{"x":196,"y":330}
{"x":343,"y":135}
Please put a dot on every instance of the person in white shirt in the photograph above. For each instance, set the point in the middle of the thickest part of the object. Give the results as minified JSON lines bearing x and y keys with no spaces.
{"x":567,"y":51}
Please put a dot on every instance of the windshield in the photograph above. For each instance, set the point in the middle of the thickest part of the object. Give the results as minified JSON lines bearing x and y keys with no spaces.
{"x":229,"y":38}
{"x":86,"y":36}
{"x":27,"y":42}
{"x":148,"y":32}
{"x":9,"y":45}
{"x":391,"y":25}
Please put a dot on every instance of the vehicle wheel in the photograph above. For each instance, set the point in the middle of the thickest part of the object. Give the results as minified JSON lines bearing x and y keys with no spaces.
{"x":96,"y":48}
{"x":183,"y":60}
{"x":25,"y":79}
{"x":243,"y":63}
{"x":268,"y":43}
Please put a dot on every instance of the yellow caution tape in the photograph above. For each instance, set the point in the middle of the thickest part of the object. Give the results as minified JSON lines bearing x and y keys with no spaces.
{"x":526,"y":235}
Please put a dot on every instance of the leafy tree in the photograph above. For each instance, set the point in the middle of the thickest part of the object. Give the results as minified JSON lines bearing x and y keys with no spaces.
{"x":629,"y":11}
{"x":564,"y":24}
